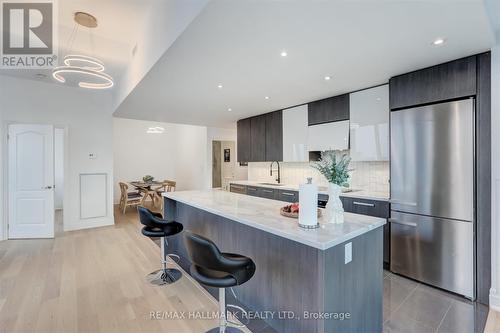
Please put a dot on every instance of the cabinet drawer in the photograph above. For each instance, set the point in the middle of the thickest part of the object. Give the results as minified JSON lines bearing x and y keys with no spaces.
{"x":366,"y":207}
{"x":267,"y":193}
{"x":253,"y":191}
{"x":288,"y":196}
{"x":235,"y":188}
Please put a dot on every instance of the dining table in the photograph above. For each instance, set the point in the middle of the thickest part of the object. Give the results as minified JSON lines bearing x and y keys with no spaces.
{"x":147,"y":188}
{"x":142,"y":185}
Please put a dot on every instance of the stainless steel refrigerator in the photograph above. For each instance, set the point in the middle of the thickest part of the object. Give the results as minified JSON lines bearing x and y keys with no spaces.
{"x":433,"y":194}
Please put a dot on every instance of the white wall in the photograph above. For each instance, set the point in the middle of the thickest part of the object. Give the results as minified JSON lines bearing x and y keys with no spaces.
{"x":495,"y":170}
{"x":86,"y":116}
{"x":59,"y":167}
{"x":222,"y":134}
{"x":177,"y":154}
{"x":165,"y":20}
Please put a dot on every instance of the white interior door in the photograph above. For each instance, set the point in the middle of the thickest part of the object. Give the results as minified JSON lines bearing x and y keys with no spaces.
{"x":31,"y":181}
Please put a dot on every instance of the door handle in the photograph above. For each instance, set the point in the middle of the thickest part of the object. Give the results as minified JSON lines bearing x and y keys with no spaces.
{"x":409,"y":224}
{"x":288,"y":193}
{"x":363,"y":204}
{"x":267,"y":191}
{"x":47,"y":188}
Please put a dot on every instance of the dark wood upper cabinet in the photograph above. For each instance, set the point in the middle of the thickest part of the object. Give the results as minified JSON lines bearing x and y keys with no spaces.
{"x":329,"y":110}
{"x":274,"y":136}
{"x":244,"y":141}
{"x":258,"y":139}
{"x":447,"y":81}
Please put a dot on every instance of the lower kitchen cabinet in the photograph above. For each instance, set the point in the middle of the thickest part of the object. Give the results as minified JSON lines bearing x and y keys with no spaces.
{"x":253,"y":191}
{"x":267,"y":193}
{"x":235,"y":188}
{"x":288,"y":196}
{"x":375,"y":208}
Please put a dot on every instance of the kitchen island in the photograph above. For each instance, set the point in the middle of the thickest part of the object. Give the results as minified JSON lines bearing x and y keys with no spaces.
{"x":322,"y":280}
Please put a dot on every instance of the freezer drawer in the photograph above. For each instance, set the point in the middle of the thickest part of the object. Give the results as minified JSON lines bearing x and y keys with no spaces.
{"x":433,"y":250}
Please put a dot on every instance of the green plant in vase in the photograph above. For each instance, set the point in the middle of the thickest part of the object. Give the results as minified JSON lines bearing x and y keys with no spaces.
{"x":148,"y":179}
{"x":334,"y":166}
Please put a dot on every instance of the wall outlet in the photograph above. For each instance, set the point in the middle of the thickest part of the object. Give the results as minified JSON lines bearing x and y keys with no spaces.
{"x":347,"y":253}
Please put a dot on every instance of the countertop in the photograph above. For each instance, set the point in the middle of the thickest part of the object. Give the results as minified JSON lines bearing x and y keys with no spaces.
{"x":322,"y":190}
{"x":264,"y":214}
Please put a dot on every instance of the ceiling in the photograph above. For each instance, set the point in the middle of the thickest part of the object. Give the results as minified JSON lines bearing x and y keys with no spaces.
{"x":238,"y":43}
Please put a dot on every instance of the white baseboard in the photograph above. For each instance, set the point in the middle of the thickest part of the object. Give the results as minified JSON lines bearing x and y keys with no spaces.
{"x":494,"y":300}
{"x":87,"y":224}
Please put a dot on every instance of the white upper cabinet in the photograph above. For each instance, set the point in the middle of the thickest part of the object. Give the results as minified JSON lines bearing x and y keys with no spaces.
{"x":295,"y":134}
{"x":369,"y":128}
{"x":329,"y":136}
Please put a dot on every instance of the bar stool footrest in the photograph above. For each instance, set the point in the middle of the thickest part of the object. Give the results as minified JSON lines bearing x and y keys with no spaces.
{"x":164,"y":276}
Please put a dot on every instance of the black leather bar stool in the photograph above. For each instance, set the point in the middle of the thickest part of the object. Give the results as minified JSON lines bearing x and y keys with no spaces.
{"x":156,"y":226}
{"x":215,"y":269}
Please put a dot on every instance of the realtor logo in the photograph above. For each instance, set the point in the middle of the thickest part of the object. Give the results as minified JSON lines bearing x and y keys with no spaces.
{"x":29,"y":34}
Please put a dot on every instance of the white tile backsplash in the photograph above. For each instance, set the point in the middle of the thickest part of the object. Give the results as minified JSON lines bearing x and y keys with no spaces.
{"x":371,"y":177}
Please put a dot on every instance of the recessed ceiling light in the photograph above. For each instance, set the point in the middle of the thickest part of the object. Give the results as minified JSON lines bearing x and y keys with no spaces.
{"x":438,"y":41}
{"x":229,"y":109}
{"x":219,"y":86}
{"x":379,"y":99}
{"x":267,"y":97}
{"x":327,"y":78}
{"x":284,"y":53}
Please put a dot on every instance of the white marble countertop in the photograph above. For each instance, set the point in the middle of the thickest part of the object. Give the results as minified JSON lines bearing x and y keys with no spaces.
{"x":322,"y":190}
{"x":264,"y":214}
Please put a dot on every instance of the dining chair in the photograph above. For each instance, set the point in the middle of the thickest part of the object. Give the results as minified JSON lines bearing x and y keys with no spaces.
{"x":166,"y":186}
{"x":148,"y":192}
{"x":128,"y":198}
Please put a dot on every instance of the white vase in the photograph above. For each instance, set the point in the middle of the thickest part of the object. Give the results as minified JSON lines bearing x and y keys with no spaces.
{"x":334,"y":207}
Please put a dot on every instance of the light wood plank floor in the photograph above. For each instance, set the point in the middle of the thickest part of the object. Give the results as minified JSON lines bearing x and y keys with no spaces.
{"x":93,"y":281}
{"x":493,"y":323}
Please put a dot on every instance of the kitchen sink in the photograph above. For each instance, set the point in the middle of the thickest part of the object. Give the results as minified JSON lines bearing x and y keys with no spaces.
{"x":272,"y":184}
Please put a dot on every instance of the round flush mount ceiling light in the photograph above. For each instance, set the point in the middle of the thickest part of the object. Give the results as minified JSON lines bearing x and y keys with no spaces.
{"x":155,"y":130}
{"x":81,"y":70}
{"x":438,"y":41}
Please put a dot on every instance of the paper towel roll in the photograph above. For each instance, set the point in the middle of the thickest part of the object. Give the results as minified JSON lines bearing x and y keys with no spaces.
{"x":308,"y":205}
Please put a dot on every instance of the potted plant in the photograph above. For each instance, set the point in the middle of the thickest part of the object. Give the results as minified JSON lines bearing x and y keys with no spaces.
{"x":148,"y":179}
{"x":335,"y":167}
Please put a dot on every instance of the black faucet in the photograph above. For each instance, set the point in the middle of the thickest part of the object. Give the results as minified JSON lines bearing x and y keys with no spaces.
{"x":271,"y":171}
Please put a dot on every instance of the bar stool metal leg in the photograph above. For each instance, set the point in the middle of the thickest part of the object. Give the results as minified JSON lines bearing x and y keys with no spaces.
{"x":223,"y":327}
{"x":164,"y":275}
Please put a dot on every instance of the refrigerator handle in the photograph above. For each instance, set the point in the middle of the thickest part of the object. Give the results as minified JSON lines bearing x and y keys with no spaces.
{"x":405,"y":203}
{"x":409,"y":224}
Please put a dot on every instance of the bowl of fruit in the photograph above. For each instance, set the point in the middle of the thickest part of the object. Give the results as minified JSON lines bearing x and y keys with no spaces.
{"x":293,"y":211}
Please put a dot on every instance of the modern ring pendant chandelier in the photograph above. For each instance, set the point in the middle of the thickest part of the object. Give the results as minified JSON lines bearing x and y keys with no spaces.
{"x":80,"y":70}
